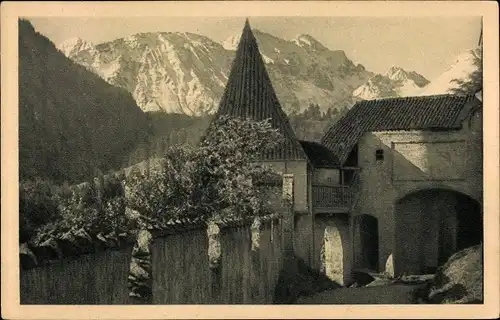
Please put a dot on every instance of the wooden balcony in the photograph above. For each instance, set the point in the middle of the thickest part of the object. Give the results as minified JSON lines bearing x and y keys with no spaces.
{"x":334,"y":198}
{"x":331,"y":199}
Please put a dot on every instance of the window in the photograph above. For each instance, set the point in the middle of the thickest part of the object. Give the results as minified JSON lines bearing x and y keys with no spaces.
{"x":379,"y":154}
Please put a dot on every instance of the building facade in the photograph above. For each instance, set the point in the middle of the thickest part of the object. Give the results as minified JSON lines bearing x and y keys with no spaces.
{"x":419,"y":162}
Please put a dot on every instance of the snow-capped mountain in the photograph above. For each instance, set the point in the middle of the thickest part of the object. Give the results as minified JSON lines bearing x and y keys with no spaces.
{"x":465,"y":65}
{"x":399,"y":74}
{"x":186,"y":72}
{"x":307,"y":41}
{"x":180,"y":72}
{"x":396,"y":82}
{"x":231,"y":43}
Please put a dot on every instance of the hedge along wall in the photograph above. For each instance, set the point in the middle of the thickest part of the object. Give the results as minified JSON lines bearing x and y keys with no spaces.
{"x":253,"y":264}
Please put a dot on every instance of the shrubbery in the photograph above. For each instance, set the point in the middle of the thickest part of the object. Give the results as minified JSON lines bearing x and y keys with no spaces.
{"x":37,"y":206}
{"x":211,"y":181}
{"x":48,"y":211}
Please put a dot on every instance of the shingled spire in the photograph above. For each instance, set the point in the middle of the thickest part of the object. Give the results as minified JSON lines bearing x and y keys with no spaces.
{"x":249,"y":94}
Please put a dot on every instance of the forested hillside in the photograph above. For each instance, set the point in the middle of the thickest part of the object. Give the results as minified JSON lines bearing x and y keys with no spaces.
{"x":71,"y":121}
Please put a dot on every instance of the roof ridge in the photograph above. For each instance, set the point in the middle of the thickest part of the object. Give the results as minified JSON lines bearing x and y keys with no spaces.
{"x":401,"y":113}
{"x":442,"y":95}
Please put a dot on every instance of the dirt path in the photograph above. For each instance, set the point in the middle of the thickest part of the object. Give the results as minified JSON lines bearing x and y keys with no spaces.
{"x":390,"y":294}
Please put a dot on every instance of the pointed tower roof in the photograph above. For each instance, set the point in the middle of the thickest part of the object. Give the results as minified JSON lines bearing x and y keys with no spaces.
{"x":249,"y":94}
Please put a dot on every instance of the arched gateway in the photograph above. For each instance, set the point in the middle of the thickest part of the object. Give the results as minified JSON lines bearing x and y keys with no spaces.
{"x":431,"y":225}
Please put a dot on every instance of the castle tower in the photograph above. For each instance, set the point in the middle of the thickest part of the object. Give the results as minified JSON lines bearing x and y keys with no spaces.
{"x":249,"y":94}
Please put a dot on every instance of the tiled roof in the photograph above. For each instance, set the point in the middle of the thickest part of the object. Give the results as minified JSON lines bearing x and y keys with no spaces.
{"x":319,"y":155}
{"x":438,"y":112}
{"x":249,"y":94}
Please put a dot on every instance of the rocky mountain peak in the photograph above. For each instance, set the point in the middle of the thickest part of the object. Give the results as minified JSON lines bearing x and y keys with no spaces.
{"x":231,"y":43}
{"x":396,"y":73}
{"x":395,"y":82}
{"x":74,"y":45}
{"x":308,"y":41}
{"x":399,"y":74}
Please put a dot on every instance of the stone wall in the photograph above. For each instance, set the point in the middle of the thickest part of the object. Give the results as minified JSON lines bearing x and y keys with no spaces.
{"x":317,"y":251}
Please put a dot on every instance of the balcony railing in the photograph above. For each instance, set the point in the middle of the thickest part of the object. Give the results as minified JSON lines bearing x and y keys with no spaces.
{"x":331,"y":198}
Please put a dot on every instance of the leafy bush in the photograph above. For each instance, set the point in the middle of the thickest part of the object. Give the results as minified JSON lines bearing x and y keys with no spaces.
{"x":211,"y":181}
{"x":145,"y":193}
{"x":97,"y":208}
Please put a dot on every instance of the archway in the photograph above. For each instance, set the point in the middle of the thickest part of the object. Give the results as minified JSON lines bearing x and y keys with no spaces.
{"x":366,"y":244}
{"x":431,"y":225}
{"x":332,"y":241}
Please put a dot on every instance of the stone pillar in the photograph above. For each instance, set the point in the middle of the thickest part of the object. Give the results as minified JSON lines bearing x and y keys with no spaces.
{"x":389,"y":267}
{"x":214,"y":261}
{"x":311,"y":219}
{"x":288,"y":214}
{"x":288,"y":187}
{"x":256,"y":225}
{"x":214,"y":246}
{"x":140,"y":275}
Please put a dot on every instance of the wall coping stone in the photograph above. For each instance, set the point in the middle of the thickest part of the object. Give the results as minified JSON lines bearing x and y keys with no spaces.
{"x":44,"y":256}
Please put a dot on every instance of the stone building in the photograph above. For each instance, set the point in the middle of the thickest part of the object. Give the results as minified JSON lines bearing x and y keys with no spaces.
{"x":419,"y":164}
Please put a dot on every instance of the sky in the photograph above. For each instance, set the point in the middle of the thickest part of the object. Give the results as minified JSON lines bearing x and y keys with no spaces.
{"x":427,"y":45}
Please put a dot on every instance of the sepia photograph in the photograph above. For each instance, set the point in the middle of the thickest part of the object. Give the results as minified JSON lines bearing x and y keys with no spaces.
{"x":251,"y":158}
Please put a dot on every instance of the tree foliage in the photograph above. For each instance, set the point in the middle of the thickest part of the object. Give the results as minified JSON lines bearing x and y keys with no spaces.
{"x":212,"y":180}
{"x":312,"y":124}
{"x":37,"y":206}
{"x":474,"y":81}
{"x":48,"y":211}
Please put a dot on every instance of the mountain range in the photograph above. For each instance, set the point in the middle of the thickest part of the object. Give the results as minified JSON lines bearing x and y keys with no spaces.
{"x":81,"y":106}
{"x":179,"y":72}
{"x":396,"y":82}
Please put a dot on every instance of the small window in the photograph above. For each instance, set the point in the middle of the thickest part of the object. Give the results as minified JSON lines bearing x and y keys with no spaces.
{"x":379,"y":154}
